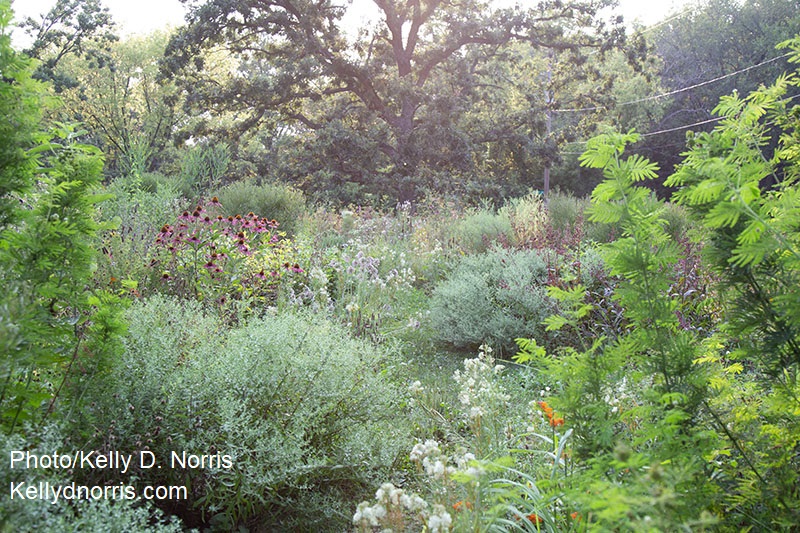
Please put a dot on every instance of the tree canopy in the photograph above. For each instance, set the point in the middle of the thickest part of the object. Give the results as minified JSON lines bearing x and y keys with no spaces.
{"x":71,"y":27}
{"x":396,"y":91}
{"x":709,"y":51}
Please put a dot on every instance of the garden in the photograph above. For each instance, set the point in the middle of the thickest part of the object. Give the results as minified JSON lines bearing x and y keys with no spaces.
{"x":185,"y":352}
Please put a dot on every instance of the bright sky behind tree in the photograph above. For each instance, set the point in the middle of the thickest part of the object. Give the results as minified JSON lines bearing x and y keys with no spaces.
{"x":144,"y":16}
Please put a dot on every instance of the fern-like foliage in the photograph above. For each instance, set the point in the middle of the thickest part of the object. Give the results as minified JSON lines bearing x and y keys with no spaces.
{"x":745,"y":191}
{"x":740,"y":182}
{"x":654,"y":356}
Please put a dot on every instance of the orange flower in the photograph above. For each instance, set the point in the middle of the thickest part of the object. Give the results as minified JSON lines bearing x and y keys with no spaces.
{"x":535,"y":518}
{"x":551,"y":417}
{"x":575,"y":516}
{"x":459,"y":505}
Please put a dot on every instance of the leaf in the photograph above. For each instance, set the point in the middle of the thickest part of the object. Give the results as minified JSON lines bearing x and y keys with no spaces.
{"x":529,"y":351}
{"x":639,"y":169}
{"x":562,"y":444}
{"x":752,"y":233}
{"x":723,"y":214}
{"x":555,"y":322}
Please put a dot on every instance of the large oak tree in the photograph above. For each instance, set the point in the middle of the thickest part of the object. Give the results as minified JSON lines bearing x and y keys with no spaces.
{"x":398,"y":87}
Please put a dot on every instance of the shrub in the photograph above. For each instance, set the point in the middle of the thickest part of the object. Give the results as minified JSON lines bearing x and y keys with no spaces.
{"x":677,"y":219}
{"x":284,"y":204}
{"x":50,"y":314}
{"x":637,"y":402}
{"x":203,"y":167}
{"x":481,"y":228}
{"x":35,"y":514}
{"x":564,"y":211}
{"x":493,"y":297}
{"x":299,"y":407}
{"x":753,"y":245}
{"x":527,"y":216}
{"x":155,"y":182}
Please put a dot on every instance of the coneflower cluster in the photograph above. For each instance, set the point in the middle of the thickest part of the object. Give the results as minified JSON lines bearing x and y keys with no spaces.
{"x":204,"y":252}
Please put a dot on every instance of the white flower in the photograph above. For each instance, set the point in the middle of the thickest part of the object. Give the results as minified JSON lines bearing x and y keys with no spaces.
{"x":396,"y":496}
{"x":382,"y":492}
{"x":421,"y":451}
{"x":475,"y":413}
{"x":465,"y":460}
{"x":464,"y":397}
{"x":435,"y":469}
{"x":474,"y":471}
{"x":439,"y":520}
{"x":369,"y":515}
{"x":416,"y":387}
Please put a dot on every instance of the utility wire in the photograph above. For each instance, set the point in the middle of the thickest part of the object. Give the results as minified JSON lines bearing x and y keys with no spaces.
{"x":676,"y":91}
{"x":709,"y":121}
{"x":668,"y":19}
{"x":649,"y":134}
{"x":702,"y":122}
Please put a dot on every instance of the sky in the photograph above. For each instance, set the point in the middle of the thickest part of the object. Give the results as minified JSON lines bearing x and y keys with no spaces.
{"x":145,"y":16}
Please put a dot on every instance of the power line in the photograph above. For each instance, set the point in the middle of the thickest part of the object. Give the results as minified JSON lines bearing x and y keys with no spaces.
{"x":669,"y":19}
{"x":676,"y":91}
{"x":669,"y":130}
{"x":716,"y":119}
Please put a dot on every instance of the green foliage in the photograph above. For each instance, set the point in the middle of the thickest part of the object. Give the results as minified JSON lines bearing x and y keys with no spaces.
{"x":393,"y":111}
{"x":46,"y":261}
{"x":491,"y":465}
{"x":372,"y":271}
{"x":725,"y":393}
{"x":53,"y":250}
{"x":79,"y":27}
{"x":753,"y":245}
{"x":279,"y":202}
{"x":713,"y":40}
{"x":55,"y":331}
{"x":564,"y":211}
{"x":21,"y":103}
{"x":481,"y":229}
{"x":634,"y":399}
{"x":643,"y":256}
{"x":677,"y":221}
{"x":130,"y":114}
{"x":203,"y":167}
{"x":306,"y":413}
{"x":493,"y":298}
{"x":233,"y":263}
{"x":137,"y":214}
{"x":528,"y":218}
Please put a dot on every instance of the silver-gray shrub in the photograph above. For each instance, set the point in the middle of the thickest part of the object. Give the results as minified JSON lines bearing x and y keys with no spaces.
{"x":493,"y":297}
{"x":90,"y":516}
{"x":300,"y":407}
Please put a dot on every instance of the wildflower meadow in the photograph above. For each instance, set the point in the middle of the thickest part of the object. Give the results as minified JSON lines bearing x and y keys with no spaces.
{"x":200,"y":349}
